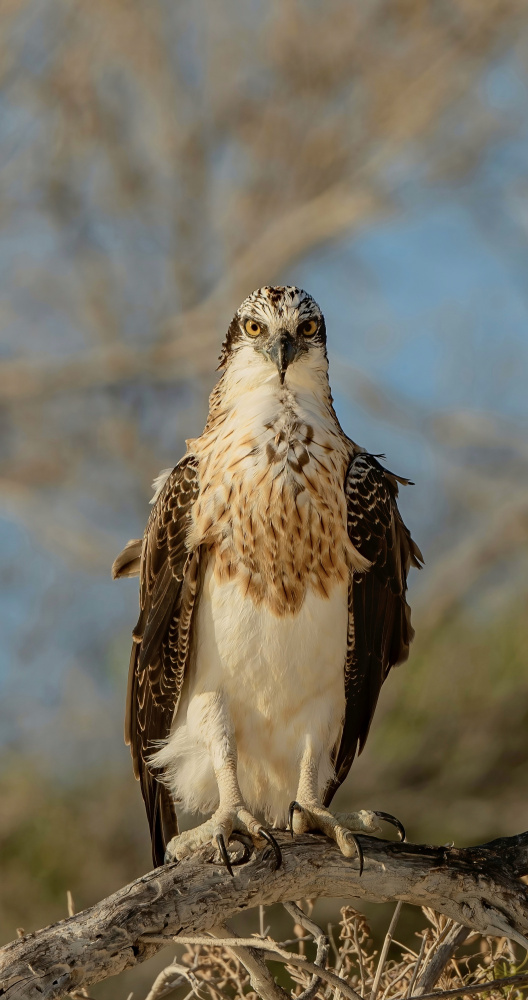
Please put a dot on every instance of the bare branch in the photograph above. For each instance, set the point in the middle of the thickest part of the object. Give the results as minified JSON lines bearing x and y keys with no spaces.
{"x":416,"y":968}
{"x":456,"y":935}
{"x":273,"y":951}
{"x":479,"y":887}
{"x":261,"y":978}
{"x":472,"y":988}
{"x":171,"y":977}
{"x":323,"y":945}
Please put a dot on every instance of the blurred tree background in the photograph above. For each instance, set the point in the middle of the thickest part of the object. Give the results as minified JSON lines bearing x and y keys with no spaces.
{"x":159,"y":159}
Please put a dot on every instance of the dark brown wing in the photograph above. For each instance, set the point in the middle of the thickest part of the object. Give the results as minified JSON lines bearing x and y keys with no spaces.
{"x":379,"y":624}
{"x":169,"y":576}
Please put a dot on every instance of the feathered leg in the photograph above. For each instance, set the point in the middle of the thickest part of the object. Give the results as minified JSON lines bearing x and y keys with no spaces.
{"x":213,"y":721}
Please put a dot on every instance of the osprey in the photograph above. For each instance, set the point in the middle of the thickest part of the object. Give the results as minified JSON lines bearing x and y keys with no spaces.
{"x":272,"y":599}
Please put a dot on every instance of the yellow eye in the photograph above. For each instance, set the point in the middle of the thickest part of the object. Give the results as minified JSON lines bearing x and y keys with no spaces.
{"x":252,"y":328}
{"x":308,"y":328}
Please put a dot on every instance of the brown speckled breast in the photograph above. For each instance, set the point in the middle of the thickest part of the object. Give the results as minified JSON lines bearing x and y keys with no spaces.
{"x":272,"y":506}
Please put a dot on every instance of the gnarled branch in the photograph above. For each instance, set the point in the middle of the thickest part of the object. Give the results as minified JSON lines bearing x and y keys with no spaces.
{"x":479,"y":887}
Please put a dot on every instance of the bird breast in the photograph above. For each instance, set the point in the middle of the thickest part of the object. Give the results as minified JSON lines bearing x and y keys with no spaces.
{"x":281,"y":680}
{"x":271,"y":504}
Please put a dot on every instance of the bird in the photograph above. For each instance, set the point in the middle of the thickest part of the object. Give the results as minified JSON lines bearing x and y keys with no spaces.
{"x":272,"y":592}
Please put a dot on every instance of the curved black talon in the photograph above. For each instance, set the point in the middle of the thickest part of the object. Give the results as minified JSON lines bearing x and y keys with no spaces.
{"x":247,"y":844}
{"x":393,"y":821}
{"x":293,"y":808}
{"x":360,"y":854}
{"x":274,"y":846}
{"x":223,"y":853}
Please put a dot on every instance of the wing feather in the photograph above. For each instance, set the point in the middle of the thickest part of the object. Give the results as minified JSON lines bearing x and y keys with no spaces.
{"x":379,"y":625}
{"x":169,"y":579}
{"x":128,"y":561}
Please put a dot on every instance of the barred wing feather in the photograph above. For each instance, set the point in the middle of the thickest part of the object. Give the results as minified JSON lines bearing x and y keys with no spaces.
{"x":169,"y":578}
{"x":379,"y":625}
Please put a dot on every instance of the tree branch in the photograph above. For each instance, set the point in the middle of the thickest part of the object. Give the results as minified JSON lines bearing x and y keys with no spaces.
{"x":479,"y":887}
{"x":455,"y":936}
{"x":261,"y":978}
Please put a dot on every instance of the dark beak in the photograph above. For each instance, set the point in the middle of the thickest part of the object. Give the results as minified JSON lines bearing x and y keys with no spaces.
{"x":282,"y":352}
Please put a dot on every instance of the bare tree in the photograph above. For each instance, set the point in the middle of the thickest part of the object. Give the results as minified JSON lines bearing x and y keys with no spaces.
{"x":184,"y":158}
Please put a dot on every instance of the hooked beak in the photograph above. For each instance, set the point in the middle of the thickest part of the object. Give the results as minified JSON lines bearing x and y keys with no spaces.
{"x":282,"y":352}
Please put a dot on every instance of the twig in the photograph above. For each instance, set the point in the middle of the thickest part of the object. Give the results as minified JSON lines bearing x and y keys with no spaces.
{"x":260,"y":976}
{"x":360,"y":958}
{"x":171,"y":977}
{"x":416,"y":968}
{"x":473,"y":988}
{"x":271,"y":949}
{"x":384,"y":951}
{"x":323,"y":946}
{"x":330,"y":933}
{"x":393,"y":982}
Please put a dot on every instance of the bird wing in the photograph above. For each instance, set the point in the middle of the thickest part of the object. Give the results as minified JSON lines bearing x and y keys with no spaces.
{"x":169,"y":578}
{"x":379,"y":624}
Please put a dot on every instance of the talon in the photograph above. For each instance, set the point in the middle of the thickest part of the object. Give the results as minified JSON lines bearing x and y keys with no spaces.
{"x":223,"y":853}
{"x":274,"y":846}
{"x":294,"y":807}
{"x":387,"y":818}
{"x":168,"y":858}
{"x":359,"y":850}
{"x":247,"y":844}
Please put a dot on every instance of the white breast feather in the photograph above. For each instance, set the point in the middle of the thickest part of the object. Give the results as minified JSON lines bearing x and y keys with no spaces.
{"x":283,"y":680}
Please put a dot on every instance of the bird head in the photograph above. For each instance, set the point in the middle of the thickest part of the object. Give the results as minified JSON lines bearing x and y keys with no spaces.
{"x":277,"y":329}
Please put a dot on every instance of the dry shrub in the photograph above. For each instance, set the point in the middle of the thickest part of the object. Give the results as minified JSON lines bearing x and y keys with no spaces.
{"x":215,"y":972}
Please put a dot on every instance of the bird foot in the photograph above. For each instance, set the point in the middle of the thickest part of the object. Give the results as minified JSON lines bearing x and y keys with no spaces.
{"x":340,"y":827}
{"x":224,"y":825}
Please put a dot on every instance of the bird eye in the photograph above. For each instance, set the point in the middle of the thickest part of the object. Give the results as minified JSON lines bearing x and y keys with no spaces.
{"x":308,"y":328}
{"x":252,"y":328}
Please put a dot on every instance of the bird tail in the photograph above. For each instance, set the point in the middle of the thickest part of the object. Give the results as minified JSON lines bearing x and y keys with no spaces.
{"x":163,"y":823}
{"x":159,"y":806}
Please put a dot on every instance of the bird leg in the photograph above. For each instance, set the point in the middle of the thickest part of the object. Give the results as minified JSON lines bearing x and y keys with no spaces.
{"x":209,"y":715}
{"x":307,"y":813}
